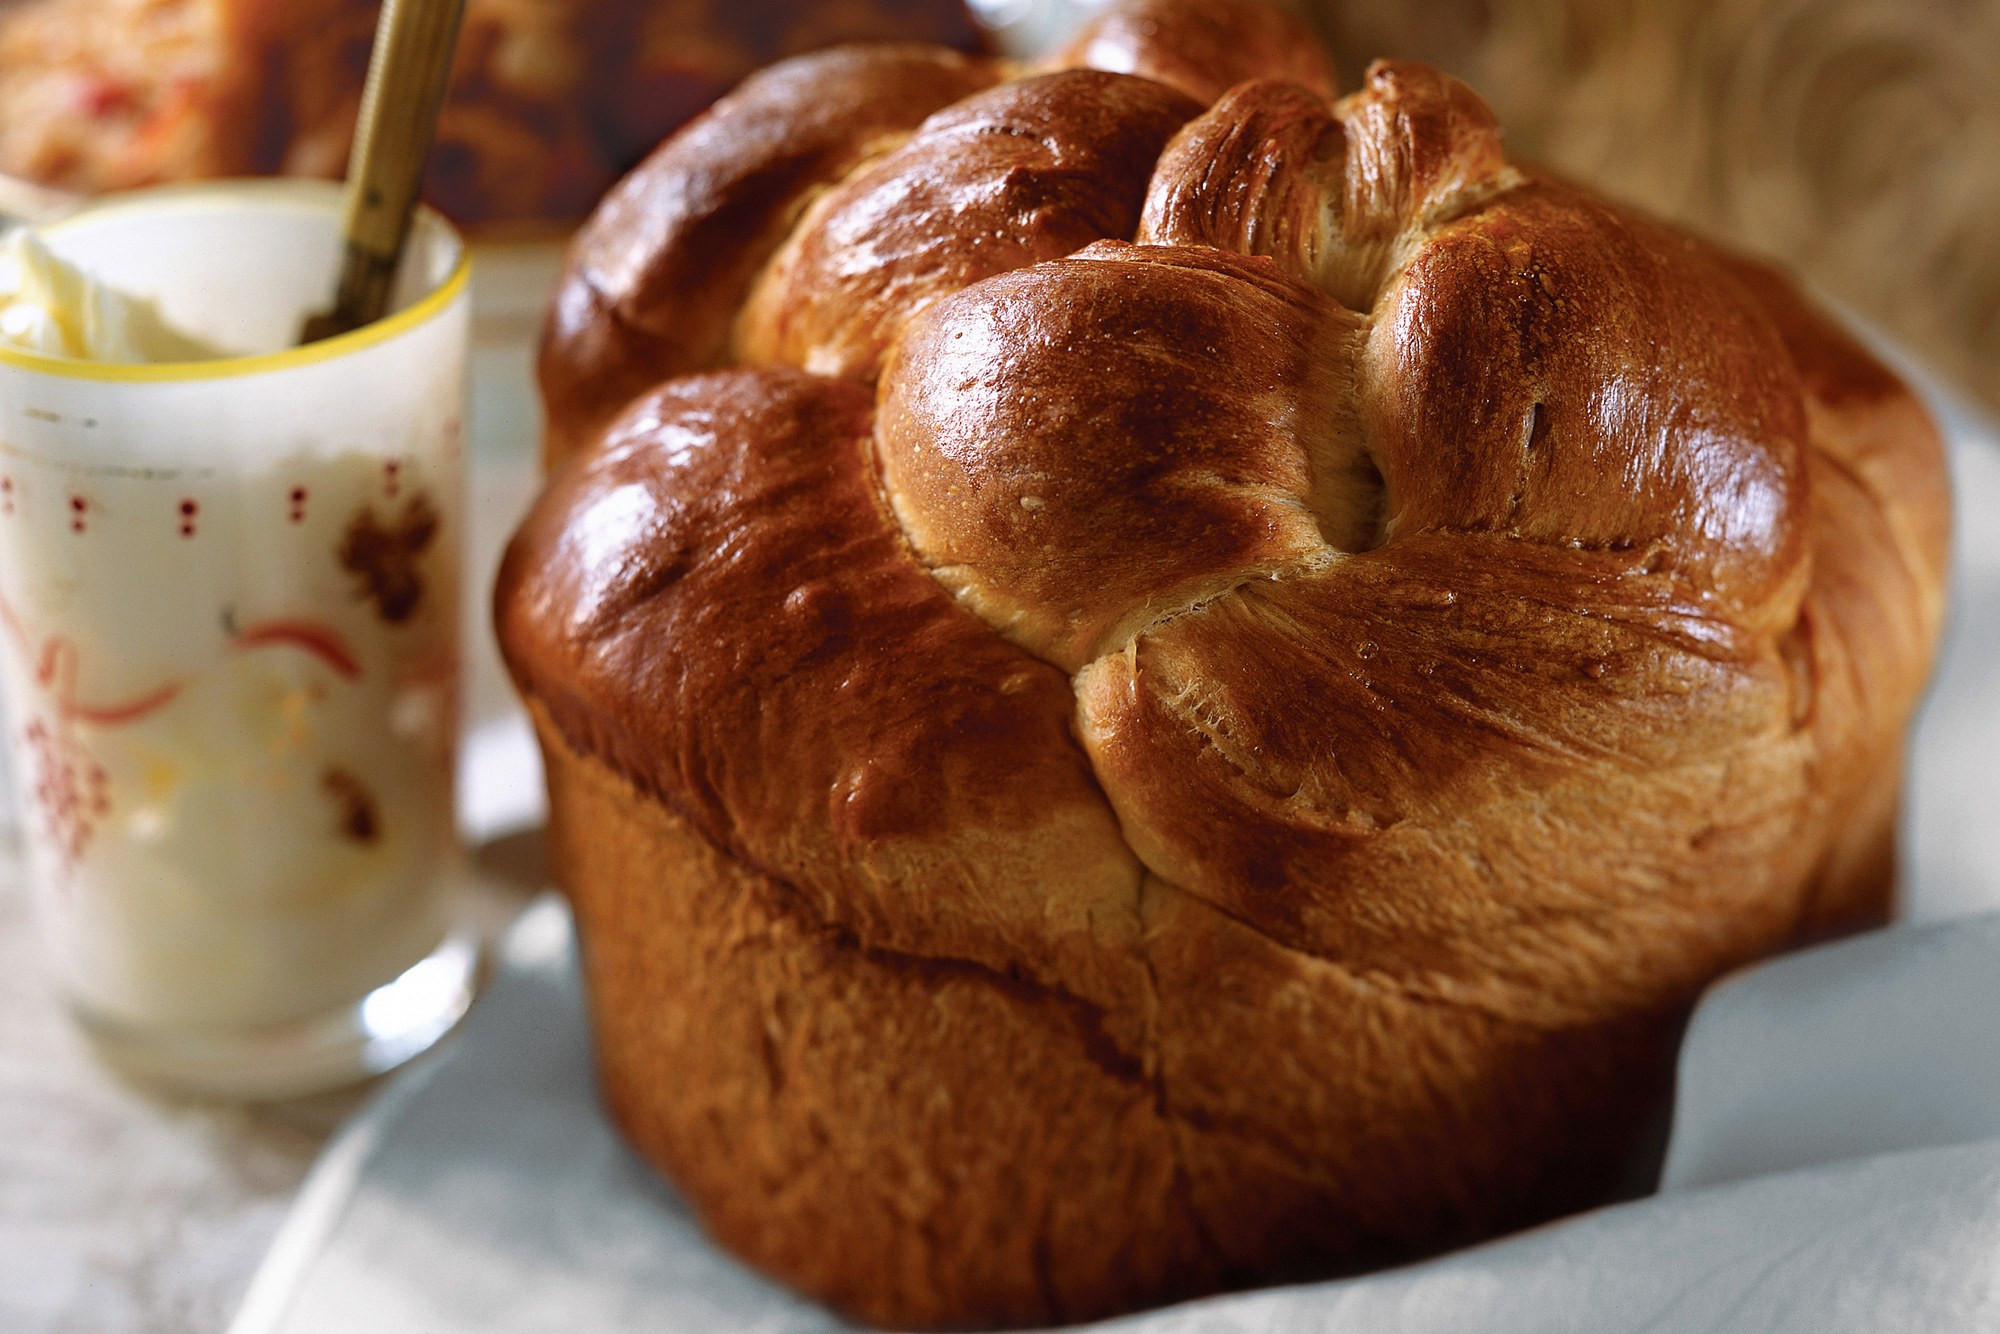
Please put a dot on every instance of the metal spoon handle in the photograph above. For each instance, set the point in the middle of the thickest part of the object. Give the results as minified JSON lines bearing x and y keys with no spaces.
{"x":407,"y":73}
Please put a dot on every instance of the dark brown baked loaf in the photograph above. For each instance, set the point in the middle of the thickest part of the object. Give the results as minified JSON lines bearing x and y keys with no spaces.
{"x":1094,"y":771}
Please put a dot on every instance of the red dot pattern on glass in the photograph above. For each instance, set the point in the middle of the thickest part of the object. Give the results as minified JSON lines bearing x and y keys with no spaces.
{"x":79,"y":509}
{"x":71,"y":789}
{"x":190,"y":509}
{"x":392,"y":477}
{"x":6,"y":495}
{"x":298,"y":499}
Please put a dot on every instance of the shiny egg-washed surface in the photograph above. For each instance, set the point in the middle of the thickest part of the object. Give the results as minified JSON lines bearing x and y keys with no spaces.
{"x":1149,"y":698}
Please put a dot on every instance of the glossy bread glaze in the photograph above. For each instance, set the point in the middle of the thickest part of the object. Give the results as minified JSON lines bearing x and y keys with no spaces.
{"x":1203,"y":715}
{"x":1007,"y":424}
{"x":1027,"y":171}
{"x":1203,"y":48}
{"x":705,"y":496}
{"x":657,"y":274}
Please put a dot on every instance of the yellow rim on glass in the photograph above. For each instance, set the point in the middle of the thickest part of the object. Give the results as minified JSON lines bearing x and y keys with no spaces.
{"x":306,"y":197}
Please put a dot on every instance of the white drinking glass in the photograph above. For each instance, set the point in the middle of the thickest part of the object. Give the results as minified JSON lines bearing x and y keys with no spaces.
{"x":230,"y":651}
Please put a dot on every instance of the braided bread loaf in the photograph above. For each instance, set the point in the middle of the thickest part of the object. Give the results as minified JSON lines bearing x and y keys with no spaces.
{"x":1209,"y":681}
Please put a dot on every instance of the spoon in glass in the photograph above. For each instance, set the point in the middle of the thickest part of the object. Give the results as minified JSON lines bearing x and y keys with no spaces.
{"x":407,"y":71}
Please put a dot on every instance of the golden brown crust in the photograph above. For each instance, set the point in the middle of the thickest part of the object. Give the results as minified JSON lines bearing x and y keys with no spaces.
{"x":1416,"y":759}
{"x":927,"y":1144}
{"x":813,"y":738}
{"x":657,"y":274}
{"x":1367,"y":1128}
{"x":1879,"y":522}
{"x":1535,"y":339}
{"x":1239,"y":753}
{"x":1339,"y":195}
{"x":713,"y":251}
{"x":1028,"y":171}
{"x":830,"y":1108}
{"x":1008,"y":419}
{"x":1202,"y":47}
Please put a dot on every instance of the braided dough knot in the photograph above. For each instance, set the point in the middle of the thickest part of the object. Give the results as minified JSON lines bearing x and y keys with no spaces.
{"x":1153,"y":680}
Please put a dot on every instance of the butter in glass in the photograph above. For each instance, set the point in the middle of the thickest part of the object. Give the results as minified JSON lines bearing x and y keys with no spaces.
{"x":229,"y":635}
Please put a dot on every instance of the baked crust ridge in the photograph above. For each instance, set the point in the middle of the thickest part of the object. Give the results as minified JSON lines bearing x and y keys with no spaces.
{"x":1215,"y":738}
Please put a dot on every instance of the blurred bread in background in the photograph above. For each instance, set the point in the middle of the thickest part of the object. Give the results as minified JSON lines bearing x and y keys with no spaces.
{"x":550,"y":99}
{"x":1858,"y":141}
